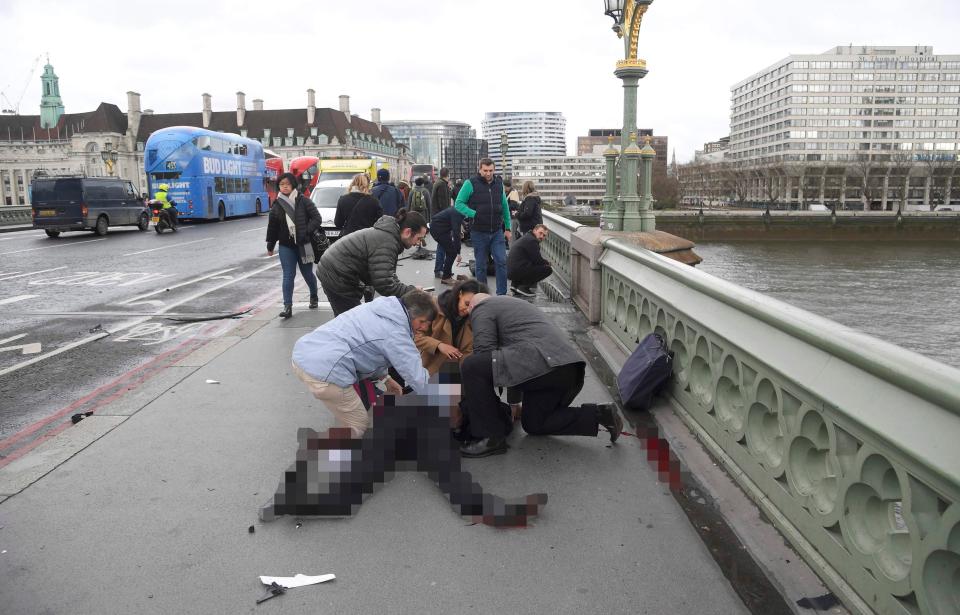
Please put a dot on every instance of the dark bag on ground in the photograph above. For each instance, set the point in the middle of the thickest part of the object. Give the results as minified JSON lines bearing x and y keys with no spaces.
{"x":491,"y":266}
{"x":645,"y":373}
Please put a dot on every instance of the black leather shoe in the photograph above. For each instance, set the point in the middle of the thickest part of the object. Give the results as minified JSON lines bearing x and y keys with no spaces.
{"x":609,"y":419}
{"x":287,"y":311}
{"x":484,"y":447}
{"x":314,"y":302}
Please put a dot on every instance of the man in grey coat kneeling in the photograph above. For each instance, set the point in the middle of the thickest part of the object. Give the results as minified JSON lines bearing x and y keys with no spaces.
{"x":515,"y":346}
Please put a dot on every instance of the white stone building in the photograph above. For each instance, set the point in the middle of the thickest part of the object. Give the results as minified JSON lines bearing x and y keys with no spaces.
{"x":556,"y":177}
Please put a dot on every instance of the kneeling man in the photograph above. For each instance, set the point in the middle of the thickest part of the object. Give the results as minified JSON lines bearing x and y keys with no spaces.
{"x":362,"y":344}
{"x":515,"y":346}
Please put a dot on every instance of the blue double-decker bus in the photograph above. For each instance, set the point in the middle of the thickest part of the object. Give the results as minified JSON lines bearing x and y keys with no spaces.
{"x":211,"y":175}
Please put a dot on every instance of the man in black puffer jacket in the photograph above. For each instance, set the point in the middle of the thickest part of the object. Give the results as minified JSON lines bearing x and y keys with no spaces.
{"x":368,"y":257}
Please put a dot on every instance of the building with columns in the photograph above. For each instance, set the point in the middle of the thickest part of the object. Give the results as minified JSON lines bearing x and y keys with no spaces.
{"x":61,"y":143}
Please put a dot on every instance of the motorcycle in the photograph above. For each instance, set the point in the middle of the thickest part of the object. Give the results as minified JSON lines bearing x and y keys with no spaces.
{"x":161,"y":218}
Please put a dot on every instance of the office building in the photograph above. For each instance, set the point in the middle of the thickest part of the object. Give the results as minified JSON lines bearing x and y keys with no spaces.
{"x":561,"y":179}
{"x":427,"y":139}
{"x":528,"y":133}
{"x":597,"y":140}
{"x":854,"y":125}
{"x":461,"y":156}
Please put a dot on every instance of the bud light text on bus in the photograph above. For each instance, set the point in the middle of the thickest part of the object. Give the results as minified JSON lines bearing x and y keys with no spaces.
{"x":211,"y":175}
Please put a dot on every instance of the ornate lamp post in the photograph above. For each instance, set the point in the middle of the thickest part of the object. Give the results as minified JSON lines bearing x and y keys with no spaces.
{"x":504,"y":146}
{"x":627,"y":15}
{"x":109,"y":156}
{"x":611,"y":219}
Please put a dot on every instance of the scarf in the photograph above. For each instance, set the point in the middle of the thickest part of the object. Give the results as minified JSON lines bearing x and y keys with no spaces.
{"x":290,"y":200}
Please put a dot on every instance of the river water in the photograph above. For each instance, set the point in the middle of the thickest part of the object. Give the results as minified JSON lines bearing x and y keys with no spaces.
{"x":904,"y":293}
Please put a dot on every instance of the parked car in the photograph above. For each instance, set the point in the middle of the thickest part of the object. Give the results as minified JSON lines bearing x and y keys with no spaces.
{"x":947,"y":208}
{"x":817,"y":207}
{"x":325,"y":196}
{"x":86,"y":203}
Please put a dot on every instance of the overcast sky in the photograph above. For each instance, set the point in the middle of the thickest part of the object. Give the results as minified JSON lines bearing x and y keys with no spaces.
{"x":449,"y":60}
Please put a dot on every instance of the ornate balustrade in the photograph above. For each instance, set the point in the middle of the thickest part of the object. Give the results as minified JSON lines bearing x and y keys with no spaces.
{"x":850,"y":445}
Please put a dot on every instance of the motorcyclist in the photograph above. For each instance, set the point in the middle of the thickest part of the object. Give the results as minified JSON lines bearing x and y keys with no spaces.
{"x":168,"y":207}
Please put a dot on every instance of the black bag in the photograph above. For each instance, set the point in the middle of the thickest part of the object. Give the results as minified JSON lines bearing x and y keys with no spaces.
{"x":645,"y":373}
{"x":320,"y":243}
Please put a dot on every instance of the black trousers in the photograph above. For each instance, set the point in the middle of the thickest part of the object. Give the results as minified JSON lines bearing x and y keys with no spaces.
{"x":546,"y":401}
{"x":334,"y":472}
{"x":451,"y":249}
{"x":530,"y":276}
{"x":340,"y":303}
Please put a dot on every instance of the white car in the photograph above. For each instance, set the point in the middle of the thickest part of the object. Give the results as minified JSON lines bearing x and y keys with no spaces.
{"x":818,"y":207}
{"x":325,"y":196}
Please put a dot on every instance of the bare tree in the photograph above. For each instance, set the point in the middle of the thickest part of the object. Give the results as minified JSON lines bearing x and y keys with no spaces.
{"x":864,"y":168}
{"x":737,"y":180}
{"x":771,"y":174}
{"x":900,"y":167}
{"x":939,"y":166}
{"x":798,"y":172}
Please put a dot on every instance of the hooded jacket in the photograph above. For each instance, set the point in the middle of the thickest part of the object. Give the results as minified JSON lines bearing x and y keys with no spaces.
{"x":363,"y":343}
{"x":367,"y":257}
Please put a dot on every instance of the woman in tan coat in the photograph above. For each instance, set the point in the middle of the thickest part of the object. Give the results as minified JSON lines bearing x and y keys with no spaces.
{"x":450,"y":337}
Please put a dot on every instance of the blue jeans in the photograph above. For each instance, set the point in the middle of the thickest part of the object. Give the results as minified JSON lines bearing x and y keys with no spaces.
{"x":494,"y":244}
{"x":290,"y":262}
{"x":438,"y":264}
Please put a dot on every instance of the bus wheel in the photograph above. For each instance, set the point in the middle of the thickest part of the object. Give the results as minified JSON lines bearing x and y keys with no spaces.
{"x":258,"y":207}
{"x":53,"y":234}
{"x":221,"y":212}
{"x":101,"y":228}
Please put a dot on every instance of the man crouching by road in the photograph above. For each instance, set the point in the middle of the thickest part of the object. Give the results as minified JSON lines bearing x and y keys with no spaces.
{"x":515,"y":346}
{"x":363,"y":343}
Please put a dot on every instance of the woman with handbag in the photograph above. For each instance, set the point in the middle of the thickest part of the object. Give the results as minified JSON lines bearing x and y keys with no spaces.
{"x":294,"y":223}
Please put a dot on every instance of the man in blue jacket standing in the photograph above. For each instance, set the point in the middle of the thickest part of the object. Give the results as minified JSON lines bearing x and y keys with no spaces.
{"x":363,"y":343}
{"x":390,"y":198}
{"x":482,"y":199}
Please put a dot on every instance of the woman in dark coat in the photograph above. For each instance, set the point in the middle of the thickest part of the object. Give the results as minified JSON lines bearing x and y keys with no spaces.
{"x":529,"y":213}
{"x":357,"y":209}
{"x":293,"y":235}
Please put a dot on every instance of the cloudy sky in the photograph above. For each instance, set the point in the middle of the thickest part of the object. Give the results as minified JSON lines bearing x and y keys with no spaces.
{"x":450,"y":60}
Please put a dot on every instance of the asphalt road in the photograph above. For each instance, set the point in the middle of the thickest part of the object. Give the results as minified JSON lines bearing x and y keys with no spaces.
{"x":81,"y":314}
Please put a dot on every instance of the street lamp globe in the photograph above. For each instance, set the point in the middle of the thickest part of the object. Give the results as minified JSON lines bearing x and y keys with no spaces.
{"x":614,"y":8}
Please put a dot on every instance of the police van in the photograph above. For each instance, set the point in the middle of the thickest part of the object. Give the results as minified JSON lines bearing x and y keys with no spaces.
{"x":63,"y":204}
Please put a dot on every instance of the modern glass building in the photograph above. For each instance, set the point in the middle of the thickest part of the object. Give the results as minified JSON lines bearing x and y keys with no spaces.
{"x":462,"y":155}
{"x":427,"y":138}
{"x":529,"y":133}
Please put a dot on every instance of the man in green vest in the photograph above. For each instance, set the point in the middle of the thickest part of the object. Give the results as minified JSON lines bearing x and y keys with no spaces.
{"x":169,"y":207}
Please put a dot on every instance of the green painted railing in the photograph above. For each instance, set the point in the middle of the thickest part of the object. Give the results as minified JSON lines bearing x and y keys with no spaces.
{"x":556,"y":247}
{"x":850,"y":445}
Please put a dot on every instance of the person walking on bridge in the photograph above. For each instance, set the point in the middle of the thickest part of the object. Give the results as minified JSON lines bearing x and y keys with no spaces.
{"x":293,"y":217}
{"x":368,"y":257}
{"x":391,"y":199}
{"x":483,"y":201}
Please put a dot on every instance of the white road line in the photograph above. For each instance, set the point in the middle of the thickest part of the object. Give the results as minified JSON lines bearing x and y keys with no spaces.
{"x":131,"y":323}
{"x":173,"y":245}
{"x":17,"y":298}
{"x":23,"y":275}
{"x":14,"y":338}
{"x":62,"y":245}
{"x":163,"y":290}
{"x":30,"y":236}
{"x":250,"y":230}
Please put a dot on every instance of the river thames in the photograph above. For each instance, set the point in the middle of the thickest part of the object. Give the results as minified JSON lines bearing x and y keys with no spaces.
{"x":904,"y":293}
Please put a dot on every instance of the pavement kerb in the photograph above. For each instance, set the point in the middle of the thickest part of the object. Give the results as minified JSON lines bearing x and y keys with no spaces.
{"x":781,"y":564}
{"x":13,"y":228}
{"x":70,"y":440}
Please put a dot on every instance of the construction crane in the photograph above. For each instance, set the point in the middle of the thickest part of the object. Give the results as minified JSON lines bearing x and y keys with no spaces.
{"x":14,"y":107}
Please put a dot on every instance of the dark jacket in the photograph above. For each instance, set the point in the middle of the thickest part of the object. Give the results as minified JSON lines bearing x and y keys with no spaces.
{"x":441,"y":195}
{"x":485,"y":204}
{"x":305,"y":217}
{"x":524,"y":255}
{"x":389,"y":196}
{"x":447,"y":223}
{"x":356,"y":210}
{"x":529,"y":214}
{"x":525,"y":345}
{"x":367,"y":257}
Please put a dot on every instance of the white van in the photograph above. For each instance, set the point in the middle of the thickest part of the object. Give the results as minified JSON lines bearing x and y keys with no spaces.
{"x":325,"y":196}
{"x":817,"y":207}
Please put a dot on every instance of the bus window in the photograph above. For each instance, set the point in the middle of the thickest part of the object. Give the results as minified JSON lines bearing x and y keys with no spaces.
{"x":242,"y":150}
{"x":245,"y":185}
{"x":220,"y":185}
{"x":202,"y":143}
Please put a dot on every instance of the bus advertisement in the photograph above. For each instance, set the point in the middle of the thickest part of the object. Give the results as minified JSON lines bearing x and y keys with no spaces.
{"x":211,"y":175}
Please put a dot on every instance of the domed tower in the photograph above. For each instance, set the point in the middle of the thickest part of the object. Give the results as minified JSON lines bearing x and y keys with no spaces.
{"x":51,"y":106}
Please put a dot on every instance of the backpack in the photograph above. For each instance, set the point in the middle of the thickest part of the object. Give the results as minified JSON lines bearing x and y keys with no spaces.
{"x":418,"y":203}
{"x":645,"y":373}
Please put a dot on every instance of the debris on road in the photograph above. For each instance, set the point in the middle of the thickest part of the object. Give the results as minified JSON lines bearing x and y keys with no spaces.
{"x":298,"y":580}
{"x":212,"y":381}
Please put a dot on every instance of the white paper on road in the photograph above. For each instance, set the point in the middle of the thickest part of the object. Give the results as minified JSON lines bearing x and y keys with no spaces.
{"x":299,"y":580}
{"x":216,"y":382}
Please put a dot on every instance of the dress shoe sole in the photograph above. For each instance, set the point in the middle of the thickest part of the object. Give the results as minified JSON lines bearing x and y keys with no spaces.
{"x":500,"y":450}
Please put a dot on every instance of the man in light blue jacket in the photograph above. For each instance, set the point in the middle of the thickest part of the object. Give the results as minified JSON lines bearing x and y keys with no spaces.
{"x":363,"y":343}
